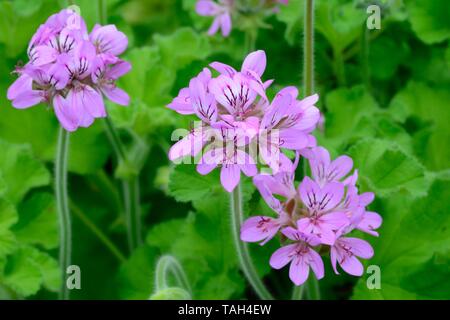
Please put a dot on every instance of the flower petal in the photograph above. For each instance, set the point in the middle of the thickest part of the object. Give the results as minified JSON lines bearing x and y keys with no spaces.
{"x":259,"y":228}
{"x":282,"y":256}
{"x":255,"y":61}
{"x":299,"y":270}
{"x":230,"y":176}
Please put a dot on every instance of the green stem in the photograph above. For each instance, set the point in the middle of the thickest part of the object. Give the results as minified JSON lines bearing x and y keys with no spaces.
{"x":97,"y":232}
{"x":169,"y":265}
{"x":308,"y":83}
{"x":62,"y":202}
{"x":297,"y":292}
{"x":130,"y":186}
{"x":132,"y":212}
{"x":312,"y":288}
{"x":242,"y":251}
{"x":102,"y":13}
{"x":114,"y":139}
{"x":308,"y":49}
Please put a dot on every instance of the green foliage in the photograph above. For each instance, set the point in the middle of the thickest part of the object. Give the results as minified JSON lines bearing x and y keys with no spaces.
{"x":429,"y":20}
{"x":384,"y":168}
{"x":413,"y":248}
{"x":20,"y":171}
{"x":428,"y":107}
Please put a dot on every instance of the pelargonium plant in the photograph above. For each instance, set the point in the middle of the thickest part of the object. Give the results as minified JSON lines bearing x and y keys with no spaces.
{"x":237,"y":121}
{"x":316,"y":217}
{"x":71,"y":70}
{"x":225,"y":11}
{"x":241,"y":130}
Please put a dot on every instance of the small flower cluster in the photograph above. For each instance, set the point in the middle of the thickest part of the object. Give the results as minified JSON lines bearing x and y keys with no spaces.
{"x":238,"y":125}
{"x":223,"y":10}
{"x":314,"y":218}
{"x":70,"y":69}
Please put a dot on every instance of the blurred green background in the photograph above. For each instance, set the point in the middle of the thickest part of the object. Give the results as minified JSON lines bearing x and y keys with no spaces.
{"x":385,"y":94}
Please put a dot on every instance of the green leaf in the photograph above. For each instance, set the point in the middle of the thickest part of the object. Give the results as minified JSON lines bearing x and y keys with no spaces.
{"x":396,"y":50}
{"x":414,"y":248}
{"x":21,"y":274}
{"x":8,"y":217}
{"x":186,"y":184}
{"x":20,"y":170}
{"x":28,"y":269}
{"x":422,"y":102}
{"x":346,"y":107}
{"x":182,"y":47}
{"x":38,"y":222}
{"x":292,"y":16}
{"x":385,"y":168}
{"x":429,"y":19}
{"x":340,"y":22}
{"x":89,"y":149}
{"x":135,"y":279}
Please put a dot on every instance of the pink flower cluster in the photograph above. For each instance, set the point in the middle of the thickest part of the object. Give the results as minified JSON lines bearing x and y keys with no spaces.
{"x":223,"y":10}
{"x":238,"y":124}
{"x":315,"y":217}
{"x":71,"y":70}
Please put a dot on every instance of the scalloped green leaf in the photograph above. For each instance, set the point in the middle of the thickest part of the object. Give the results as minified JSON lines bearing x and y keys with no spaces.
{"x":385,"y":168}
{"x":413,"y":249}
{"x":20,"y":170}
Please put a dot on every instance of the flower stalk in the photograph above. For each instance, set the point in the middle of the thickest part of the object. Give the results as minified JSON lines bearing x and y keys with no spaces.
{"x":131,"y":191}
{"x":312,"y":285}
{"x":242,"y":251}
{"x":62,"y":202}
{"x":166,"y":266}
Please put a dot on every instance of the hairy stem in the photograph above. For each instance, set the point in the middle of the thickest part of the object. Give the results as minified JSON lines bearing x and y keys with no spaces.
{"x":131,"y":192}
{"x":312,"y":286}
{"x":308,"y":49}
{"x":130,"y":186}
{"x":242,"y":251}
{"x":166,"y":266}
{"x":62,"y":203}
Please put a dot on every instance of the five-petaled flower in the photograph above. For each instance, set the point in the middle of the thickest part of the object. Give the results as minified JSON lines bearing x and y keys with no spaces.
{"x":323,"y":210}
{"x":235,"y":114}
{"x":224,"y":11}
{"x":71,"y":70}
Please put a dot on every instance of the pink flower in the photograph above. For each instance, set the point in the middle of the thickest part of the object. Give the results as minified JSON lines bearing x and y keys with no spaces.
{"x":287,"y":123}
{"x":281,"y":184}
{"x":70,"y":70}
{"x":262,"y":229}
{"x":300,"y":255}
{"x":324,"y":170}
{"x":250,"y":75}
{"x":108,"y":40}
{"x":321,"y":202}
{"x":231,"y":158}
{"x":345,"y":252}
{"x":221,"y":13}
